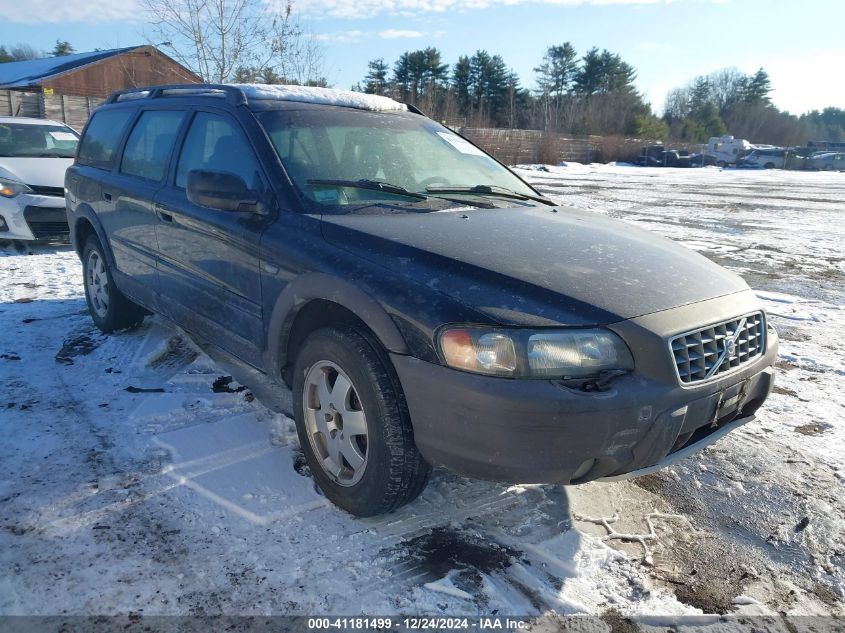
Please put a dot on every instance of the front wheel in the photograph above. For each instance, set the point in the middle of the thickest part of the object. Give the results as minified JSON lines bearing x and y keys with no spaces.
{"x":109,"y":308}
{"x":353,"y":424}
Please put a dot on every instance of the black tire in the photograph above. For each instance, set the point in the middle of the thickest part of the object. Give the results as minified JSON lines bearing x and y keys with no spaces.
{"x":120,"y":313}
{"x":394,"y":472}
{"x":769,"y":166}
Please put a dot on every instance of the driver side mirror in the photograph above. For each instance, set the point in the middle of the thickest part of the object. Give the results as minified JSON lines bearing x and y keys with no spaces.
{"x":221,"y":190}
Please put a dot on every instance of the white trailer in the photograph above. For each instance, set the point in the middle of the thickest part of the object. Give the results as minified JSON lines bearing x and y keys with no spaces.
{"x":727,"y":150}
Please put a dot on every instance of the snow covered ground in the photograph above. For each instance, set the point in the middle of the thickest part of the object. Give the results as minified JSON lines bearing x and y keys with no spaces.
{"x":135,"y":477}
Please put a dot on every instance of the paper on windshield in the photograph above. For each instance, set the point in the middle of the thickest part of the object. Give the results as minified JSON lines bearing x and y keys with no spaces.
{"x":63,"y":136}
{"x":462,"y":145}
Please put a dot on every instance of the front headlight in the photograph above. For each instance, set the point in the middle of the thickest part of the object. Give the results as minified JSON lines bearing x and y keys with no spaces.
{"x":11,"y":188}
{"x":563,"y":353}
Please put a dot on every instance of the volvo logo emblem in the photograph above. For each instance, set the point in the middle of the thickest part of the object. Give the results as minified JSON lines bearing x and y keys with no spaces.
{"x":729,"y":350}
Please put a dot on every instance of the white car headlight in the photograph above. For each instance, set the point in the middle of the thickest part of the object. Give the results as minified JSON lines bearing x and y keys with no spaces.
{"x":514,"y":353}
{"x":11,"y":188}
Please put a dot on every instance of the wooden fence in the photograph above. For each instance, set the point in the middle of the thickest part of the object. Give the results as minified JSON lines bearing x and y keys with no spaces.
{"x":514,"y":147}
{"x":75,"y":111}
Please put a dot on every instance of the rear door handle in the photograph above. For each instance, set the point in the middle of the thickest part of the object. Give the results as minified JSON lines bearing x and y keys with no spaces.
{"x":107,"y":196}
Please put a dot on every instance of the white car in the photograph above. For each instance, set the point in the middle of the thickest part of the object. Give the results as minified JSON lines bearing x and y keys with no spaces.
{"x":34,"y":154}
{"x":766,"y":158}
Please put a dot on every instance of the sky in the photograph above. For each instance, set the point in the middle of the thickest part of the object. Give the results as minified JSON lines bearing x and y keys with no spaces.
{"x":800,"y":44}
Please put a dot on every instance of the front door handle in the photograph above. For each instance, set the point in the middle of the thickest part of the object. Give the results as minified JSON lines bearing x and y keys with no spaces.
{"x":160,"y":212}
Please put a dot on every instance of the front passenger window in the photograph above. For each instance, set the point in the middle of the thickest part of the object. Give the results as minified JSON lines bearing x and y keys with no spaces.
{"x":214,"y":144}
{"x":150,"y":144}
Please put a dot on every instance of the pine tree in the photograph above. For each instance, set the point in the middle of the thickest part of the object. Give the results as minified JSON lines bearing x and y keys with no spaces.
{"x":488,"y":85}
{"x":589,"y":78}
{"x":555,"y":77}
{"x":711,"y":122}
{"x":62,"y":48}
{"x":375,"y":83}
{"x":402,"y":76}
{"x":757,"y":89}
{"x":436,"y":73}
{"x":269,"y":76}
{"x":244,"y":75}
{"x":646,"y":126}
{"x":419,"y":75}
{"x":699,"y":96}
{"x":557,"y":72}
{"x":604,"y":72}
{"x":616,"y":75}
{"x":461,"y":84}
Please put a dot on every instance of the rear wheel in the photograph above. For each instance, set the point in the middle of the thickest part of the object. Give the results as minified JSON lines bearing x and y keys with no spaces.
{"x":769,"y":166}
{"x":353,"y":424}
{"x":109,"y":308}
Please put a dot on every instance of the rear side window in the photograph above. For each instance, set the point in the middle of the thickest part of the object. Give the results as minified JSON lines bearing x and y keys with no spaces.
{"x":99,"y":144}
{"x":215,"y":144}
{"x":150,"y":144}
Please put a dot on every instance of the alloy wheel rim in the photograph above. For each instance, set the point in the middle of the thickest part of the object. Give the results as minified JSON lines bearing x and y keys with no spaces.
{"x":97,"y":283}
{"x":335,"y":422}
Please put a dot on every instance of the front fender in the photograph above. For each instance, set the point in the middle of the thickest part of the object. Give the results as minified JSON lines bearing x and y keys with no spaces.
{"x":320,"y":286}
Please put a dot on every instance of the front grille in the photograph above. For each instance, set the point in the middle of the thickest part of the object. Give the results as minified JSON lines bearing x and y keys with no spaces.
{"x":719,"y":348}
{"x":47,"y":222}
{"x":58,"y":192}
{"x":49,"y":230}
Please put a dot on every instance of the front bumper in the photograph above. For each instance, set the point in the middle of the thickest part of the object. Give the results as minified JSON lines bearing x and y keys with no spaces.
{"x":540,"y":431}
{"x":33,"y":217}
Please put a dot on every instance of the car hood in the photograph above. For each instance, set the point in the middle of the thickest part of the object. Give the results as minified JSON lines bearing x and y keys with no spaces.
{"x":536,"y":266}
{"x":45,"y":172}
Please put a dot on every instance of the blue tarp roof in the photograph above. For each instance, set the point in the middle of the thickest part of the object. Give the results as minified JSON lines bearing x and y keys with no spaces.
{"x":33,"y":71}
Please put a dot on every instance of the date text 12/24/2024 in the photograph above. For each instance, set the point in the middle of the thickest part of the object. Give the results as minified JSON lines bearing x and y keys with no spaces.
{"x":362,"y":623}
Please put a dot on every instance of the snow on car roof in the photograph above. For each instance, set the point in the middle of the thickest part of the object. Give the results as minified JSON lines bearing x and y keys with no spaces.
{"x":324,"y":96}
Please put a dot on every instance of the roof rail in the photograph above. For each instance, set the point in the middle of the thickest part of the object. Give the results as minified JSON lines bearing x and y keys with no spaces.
{"x":233,"y":94}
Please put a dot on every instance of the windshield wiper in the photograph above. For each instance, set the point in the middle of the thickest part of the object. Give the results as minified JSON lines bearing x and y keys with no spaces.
{"x":375,"y":185}
{"x":491,"y":190}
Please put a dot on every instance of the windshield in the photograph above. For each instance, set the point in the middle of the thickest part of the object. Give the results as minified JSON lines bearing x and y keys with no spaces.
{"x":340,"y":157}
{"x":32,"y":140}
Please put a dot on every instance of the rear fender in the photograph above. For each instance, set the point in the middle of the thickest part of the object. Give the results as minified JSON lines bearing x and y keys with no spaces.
{"x":84,"y":212}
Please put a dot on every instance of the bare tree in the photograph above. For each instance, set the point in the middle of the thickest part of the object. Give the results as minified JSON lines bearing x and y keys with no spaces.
{"x":215,"y":38}
{"x":301,"y":58}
